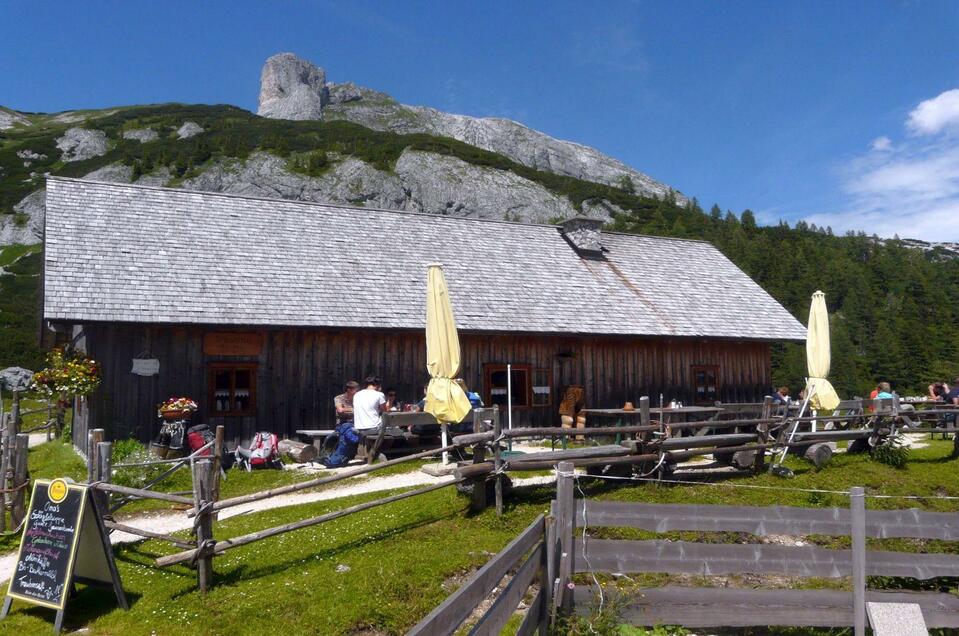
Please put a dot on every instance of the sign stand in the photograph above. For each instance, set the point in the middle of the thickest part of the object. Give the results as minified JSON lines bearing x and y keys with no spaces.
{"x":64,"y":542}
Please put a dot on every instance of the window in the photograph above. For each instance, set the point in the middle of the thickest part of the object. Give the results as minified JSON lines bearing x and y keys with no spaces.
{"x":232,"y":388}
{"x":531,"y":387}
{"x":706,"y":383}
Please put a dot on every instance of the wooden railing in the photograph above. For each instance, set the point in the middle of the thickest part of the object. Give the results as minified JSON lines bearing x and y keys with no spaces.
{"x":724,"y":607}
{"x":530,"y":556}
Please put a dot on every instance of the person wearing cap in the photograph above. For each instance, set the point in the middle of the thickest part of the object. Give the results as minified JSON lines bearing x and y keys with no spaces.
{"x":343,"y":403}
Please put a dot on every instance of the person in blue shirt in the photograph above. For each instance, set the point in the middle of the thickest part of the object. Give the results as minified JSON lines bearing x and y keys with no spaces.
{"x":885,"y":393}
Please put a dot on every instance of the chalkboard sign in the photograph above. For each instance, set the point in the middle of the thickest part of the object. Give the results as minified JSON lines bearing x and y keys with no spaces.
{"x":63,"y":541}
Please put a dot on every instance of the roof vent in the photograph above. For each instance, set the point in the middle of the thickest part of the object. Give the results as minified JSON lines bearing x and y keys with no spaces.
{"x":584,"y":234}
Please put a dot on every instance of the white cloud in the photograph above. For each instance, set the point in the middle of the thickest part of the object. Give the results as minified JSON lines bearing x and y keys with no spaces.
{"x":935,"y":115}
{"x":910,"y":189}
{"x":880,"y":144}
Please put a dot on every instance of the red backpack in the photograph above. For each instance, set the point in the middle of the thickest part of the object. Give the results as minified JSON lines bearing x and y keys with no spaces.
{"x":264,"y":451}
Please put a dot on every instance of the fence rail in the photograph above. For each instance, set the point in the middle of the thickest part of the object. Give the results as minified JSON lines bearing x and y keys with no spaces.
{"x":529,"y":551}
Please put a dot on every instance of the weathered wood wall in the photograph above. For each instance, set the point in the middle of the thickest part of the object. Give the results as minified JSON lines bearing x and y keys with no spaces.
{"x":299,"y":372}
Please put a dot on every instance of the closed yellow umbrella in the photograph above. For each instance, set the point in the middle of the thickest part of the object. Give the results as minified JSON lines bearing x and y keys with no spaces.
{"x":822,"y":397}
{"x":445,"y":397}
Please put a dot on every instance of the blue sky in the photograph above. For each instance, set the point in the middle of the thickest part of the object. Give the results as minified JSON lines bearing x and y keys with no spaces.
{"x":840,"y":113}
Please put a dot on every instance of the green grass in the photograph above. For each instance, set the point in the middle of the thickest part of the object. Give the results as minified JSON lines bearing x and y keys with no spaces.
{"x":12,"y":253}
{"x":406,"y":557}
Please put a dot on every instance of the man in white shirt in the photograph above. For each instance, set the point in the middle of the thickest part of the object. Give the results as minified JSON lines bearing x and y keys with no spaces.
{"x":369,"y":405}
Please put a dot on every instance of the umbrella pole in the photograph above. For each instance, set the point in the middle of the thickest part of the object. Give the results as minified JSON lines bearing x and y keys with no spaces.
{"x":509,"y":403}
{"x":446,"y":455}
{"x":792,"y":433}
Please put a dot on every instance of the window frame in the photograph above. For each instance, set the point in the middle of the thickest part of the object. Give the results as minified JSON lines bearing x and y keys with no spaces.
{"x":705,"y":368}
{"x":530,"y":371}
{"x":218,"y":367}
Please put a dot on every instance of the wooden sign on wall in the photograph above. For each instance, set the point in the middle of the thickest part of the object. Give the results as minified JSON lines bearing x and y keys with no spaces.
{"x":229,"y":343}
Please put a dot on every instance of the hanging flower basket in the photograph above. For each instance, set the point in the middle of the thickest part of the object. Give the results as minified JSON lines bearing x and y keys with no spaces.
{"x":177,"y":408}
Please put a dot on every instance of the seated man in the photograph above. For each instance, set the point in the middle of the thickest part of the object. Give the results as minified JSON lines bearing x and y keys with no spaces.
{"x":369,"y":406}
{"x":885,"y":393}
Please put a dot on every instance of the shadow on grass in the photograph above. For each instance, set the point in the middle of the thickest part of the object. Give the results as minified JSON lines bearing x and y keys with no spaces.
{"x":89,"y":603}
{"x":244,"y":572}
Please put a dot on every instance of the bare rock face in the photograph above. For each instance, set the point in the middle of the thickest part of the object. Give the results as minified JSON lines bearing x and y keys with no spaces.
{"x":143,"y":135}
{"x":26,"y":226}
{"x":351,"y":181}
{"x":188,"y":129}
{"x":291,"y":88}
{"x":10,"y":118}
{"x":440,"y":184}
{"x":78,"y":144}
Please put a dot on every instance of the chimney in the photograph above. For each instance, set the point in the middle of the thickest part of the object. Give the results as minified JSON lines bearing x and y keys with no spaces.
{"x":583,"y":234}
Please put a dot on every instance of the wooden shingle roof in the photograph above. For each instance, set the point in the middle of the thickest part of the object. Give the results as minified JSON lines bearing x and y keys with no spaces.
{"x":125,"y":253}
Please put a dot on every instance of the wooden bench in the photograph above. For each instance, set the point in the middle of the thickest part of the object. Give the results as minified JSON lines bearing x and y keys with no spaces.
{"x":316,"y":436}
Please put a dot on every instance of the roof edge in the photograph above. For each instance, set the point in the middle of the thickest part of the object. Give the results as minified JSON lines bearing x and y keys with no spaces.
{"x":341,"y":206}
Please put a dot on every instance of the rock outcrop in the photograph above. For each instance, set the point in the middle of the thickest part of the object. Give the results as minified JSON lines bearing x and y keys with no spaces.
{"x":421,"y":182}
{"x":10,"y":118}
{"x":291,"y":88}
{"x":188,"y":129}
{"x":78,"y":144}
{"x":143,"y":135}
{"x":440,"y":184}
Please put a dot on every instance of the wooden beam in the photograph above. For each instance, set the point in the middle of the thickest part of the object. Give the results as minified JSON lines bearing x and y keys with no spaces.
{"x":713,"y":559}
{"x":227,"y":544}
{"x":451,"y":613}
{"x":313,"y":483}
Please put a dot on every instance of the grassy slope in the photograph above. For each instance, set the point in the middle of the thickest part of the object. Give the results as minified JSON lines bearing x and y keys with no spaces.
{"x":400,"y":555}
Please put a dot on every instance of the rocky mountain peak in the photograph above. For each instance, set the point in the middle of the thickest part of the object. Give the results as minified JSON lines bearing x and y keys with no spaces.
{"x":291,"y":88}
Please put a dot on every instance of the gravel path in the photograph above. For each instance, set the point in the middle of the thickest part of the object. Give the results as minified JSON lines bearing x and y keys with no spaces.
{"x":167,"y":523}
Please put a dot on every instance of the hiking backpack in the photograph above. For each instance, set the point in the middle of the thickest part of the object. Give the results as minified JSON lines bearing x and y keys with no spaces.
{"x":264,"y":452}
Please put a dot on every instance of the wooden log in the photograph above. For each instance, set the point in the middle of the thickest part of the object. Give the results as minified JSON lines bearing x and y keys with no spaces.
{"x":819,"y":454}
{"x":222,"y":546}
{"x":203,"y":494}
{"x":298,"y":451}
{"x":143,"y":494}
{"x":218,"y":441}
{"x":177,"y":541}
{"x":565,"y":528}
{"x":313,"y":483}
{"x":473,"y":438}
{"x":20,"y":479}
{"x":857,"y":509}
{"x":94,"y":437}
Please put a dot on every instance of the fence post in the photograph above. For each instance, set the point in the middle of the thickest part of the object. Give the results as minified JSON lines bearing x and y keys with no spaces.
{"x":217,"y":463}
{"x":497,"y":465}
{"x":857,"y":505}
{"x":18,"y":511}
{"x":565,"y":522}
{"x":94,"y":437}
{"x":49,"y":419}
{"x":549,"y":578}
{"x":104,"y":473}
{"x":478,"y":495}
{"x":202,"y":495}
{"x":762,"y":435}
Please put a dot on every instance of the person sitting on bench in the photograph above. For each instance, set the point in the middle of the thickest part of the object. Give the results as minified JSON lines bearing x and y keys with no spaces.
{"x":369,"y":406}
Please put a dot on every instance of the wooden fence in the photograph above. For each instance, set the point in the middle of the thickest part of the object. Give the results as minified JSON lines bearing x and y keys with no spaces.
{"x":724,"y":607}
{"x":552,"y":551}
{"x":14,"y":480}
{"x":531,"y":560}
